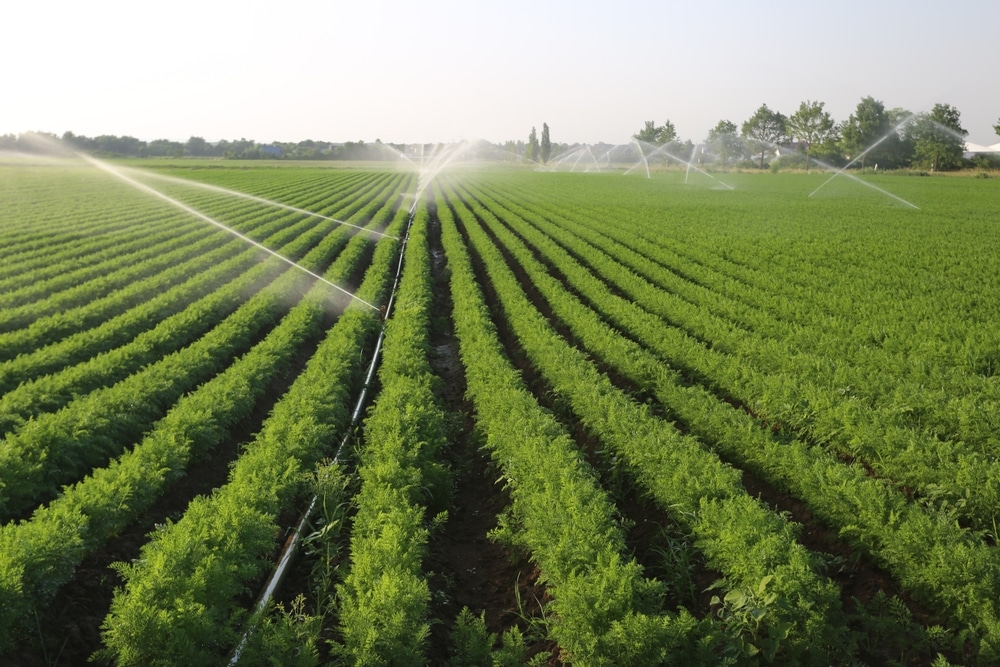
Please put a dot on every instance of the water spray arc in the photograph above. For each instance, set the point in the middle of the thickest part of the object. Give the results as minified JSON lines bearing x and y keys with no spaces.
{"x":862,"y":181}
{"x":690,"y":163}
{"x":260,"y":200}
{"x":865,"y":152}
{"x":581,"y":156}
{"x":104,"y":166}
{"x":642,"y":156}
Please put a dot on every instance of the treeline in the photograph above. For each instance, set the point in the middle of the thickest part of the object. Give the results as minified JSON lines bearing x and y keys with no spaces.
{"x":871,"y":137}
{"x":109,"y":145}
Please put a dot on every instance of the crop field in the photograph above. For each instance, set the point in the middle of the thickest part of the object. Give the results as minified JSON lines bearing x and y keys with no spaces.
{"x":616,"y":420}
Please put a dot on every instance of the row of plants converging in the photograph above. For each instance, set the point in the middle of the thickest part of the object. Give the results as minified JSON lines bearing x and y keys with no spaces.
{"x":129,"y":405}
{"x":58,"y":447}
{"x":180,"y":600}
{"x":934,"y":434}
{"x":755,"y":548}
{"x":606,"y":340}
{"x":708,"y":391}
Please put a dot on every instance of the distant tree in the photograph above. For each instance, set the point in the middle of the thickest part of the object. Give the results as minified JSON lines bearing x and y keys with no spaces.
{"x":8,"y":142}
{"x":647,"y":133}
{"x":996,"y":128}
{"x":196,"y":146}
{"x":901,"y":151}
{"x":812,"y":126}
{"x":532,"y":149}
{"x":658,"y":135}
{"x":870,"y":128}
{"x":164,"y":148}
{"x":765,"y":129}
{"x":546,"y":146}
{"x":939,"y":138}
{"x":109,"y":144}
{"x":513,"y":149}
{"x":724,"y":141}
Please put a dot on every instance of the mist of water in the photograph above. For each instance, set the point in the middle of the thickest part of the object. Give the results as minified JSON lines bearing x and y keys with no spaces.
{"x":662,"y":151}
{"x":253,"y":198}
{"x":574,"y":157}
{"x":118,"y":173}
{"x":863,"y":182}
{"x":865,"y":152}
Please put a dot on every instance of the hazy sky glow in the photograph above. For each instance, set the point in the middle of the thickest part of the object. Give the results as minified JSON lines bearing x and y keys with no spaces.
{"x":439,"y":70}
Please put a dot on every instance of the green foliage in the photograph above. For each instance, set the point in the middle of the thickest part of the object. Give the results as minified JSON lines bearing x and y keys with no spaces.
{"x":184,"y":587}
{"x":603,"y":610}
{"x":765,"y":130}
{"x":745,"y":358}
{"x":323,"y":545}
{"x":939,"y":139}
{"x":657,"y":135}
{"x":812,"y":126}
{"x":890,"y":635}
{"x":101,"y":505}
{"x":474,"y":646}
{"x":675,"y":331}
{"x":284,"y":638}
{"x":735,"y":532}
{"x":545,"y":149}
{"x":383,"y":601}
{"x":745,"y":616}
{"x":725,"y":142}
{"x":532,"y":149}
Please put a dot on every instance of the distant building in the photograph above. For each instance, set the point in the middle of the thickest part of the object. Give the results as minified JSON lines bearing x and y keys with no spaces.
{"x":972,"y":150}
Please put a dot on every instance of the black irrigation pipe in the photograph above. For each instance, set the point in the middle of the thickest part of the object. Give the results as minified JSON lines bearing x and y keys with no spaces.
{"x":292,"y":543}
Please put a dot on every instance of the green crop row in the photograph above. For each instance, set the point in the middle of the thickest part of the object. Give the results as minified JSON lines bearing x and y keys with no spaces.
{"x":59,"y":447}
{"x":908,"y":540}
{"x":39,"y":555}
{"x":931,"y":378}
{"x":383,"y":600}
{"x":752,"y":546}
{"x":166,"y":250}
{"x":604,"y":611}
{"x":50,"y":392}
{"x":34,"y":564}
{"x":50,"y":329}
{"x":81,"y":255}
{"x":179,"y":603}
{"x":122,"y":328}
{"x":801,"y":390}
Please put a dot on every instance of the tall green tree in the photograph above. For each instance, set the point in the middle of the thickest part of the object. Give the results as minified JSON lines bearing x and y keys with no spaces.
{"x":939,"y":138}
{"x":658,"y":135}
{"x":765,"y":129}
{"x":546,"y":146}
{"x":870,"y":133}
{"x":197,"y":146}
{"x":532,"y":149}
{"x":724,"y":141}
{"x":812,"y":126}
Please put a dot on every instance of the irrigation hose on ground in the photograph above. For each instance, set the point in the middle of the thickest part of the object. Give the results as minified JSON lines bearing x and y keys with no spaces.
{"x":292,"y":543}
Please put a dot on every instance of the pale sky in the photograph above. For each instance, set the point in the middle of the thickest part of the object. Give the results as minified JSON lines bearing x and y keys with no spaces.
{"x":439,"y":70}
